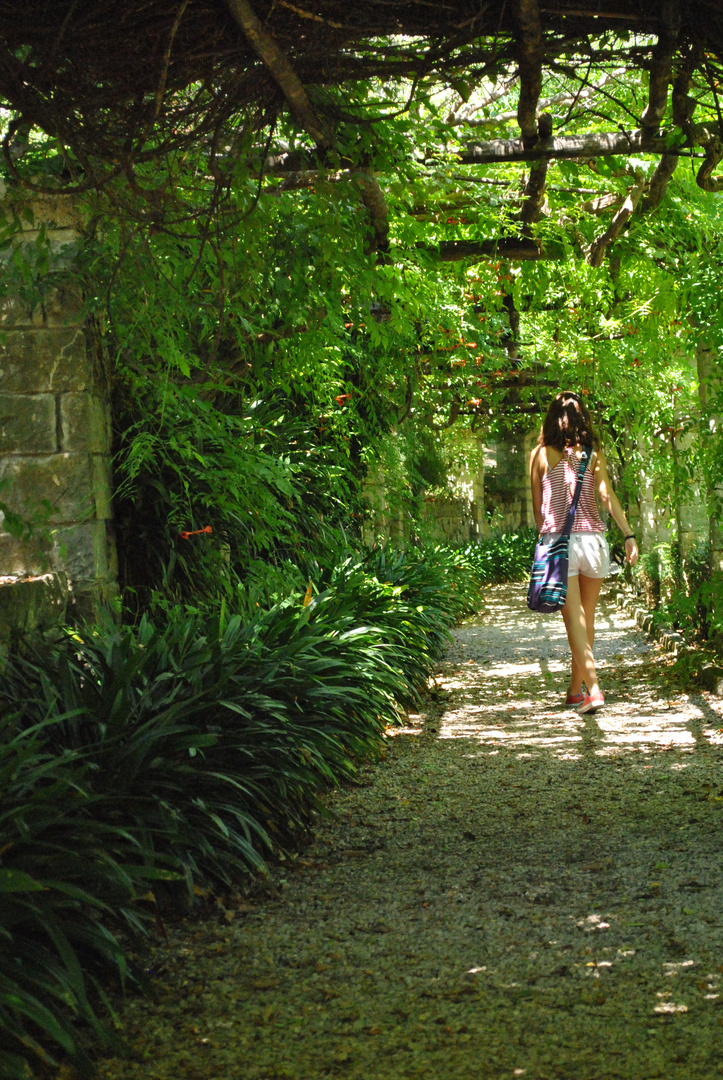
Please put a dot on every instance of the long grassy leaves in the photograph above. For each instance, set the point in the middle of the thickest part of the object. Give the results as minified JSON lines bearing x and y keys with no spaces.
{"x":183,"y":753}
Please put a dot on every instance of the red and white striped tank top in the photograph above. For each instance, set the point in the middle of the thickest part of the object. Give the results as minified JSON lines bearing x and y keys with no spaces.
{"x":558,"y":488}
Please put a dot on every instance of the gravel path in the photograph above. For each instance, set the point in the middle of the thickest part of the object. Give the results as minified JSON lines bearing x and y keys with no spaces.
{"x":516,"y":892}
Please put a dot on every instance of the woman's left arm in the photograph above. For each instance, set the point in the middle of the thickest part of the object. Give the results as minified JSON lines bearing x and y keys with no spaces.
{"x":536,"y":485}
{"x":612,"y":503}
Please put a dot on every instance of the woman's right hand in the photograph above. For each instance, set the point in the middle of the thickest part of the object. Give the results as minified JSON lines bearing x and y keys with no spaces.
{"x":631,"y":551}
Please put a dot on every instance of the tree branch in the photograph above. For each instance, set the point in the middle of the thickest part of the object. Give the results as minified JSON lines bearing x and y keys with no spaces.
{"x":529,"y":53}
{"x":611,"y":200}
{"x":661,"y":66}
{"x":462,"y":112}
{"x":713,"y":154}
{"x":373,"y":198}
{"x":616,"y":226}
{"x":279,"y":66}
{"x":512,"y":339}
{"x":16,"y":85}
{"x":683,"y":104}
{"x":566,"y":98}
{"x":659,"y":182}
{"x":453,"y":417}
{"x":408,"y":402}
{"x":534,"y":193}
{"x":683,"y":107}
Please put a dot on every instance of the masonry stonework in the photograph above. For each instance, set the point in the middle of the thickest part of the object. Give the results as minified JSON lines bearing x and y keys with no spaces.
{"x":55,"y":432}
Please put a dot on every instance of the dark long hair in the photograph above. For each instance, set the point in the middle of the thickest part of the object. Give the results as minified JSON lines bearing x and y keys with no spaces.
{"x":568,"y":422}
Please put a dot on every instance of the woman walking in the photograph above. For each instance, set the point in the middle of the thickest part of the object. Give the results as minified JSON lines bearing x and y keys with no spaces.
{"x":554,"y":465}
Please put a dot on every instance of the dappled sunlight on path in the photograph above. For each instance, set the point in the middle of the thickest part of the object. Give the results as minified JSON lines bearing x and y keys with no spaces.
{"x":503,"y":696}
{"x":516,"y":892}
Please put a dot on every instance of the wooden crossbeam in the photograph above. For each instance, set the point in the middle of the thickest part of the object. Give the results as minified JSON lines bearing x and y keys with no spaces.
{"x":598,"y":144}
{"x":521,"y":249}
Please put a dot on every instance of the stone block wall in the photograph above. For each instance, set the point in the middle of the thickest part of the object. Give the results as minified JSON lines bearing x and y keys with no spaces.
{"x":451,"y":521}
{"x":55,"y":432}
{"x":508,"y":496}
{"x":37,"y":603}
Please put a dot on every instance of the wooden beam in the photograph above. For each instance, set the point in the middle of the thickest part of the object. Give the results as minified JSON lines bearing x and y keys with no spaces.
{"x":515,"y":248}
{"x":598,"y":144}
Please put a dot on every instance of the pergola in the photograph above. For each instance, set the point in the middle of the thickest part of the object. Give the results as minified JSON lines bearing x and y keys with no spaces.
{"x":118,"y":84}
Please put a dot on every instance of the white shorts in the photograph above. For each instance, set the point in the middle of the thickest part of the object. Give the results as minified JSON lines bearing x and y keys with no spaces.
{"x":589,"y":554}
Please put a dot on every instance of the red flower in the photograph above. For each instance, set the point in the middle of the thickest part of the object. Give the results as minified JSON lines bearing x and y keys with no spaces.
{"x":195,"y":532}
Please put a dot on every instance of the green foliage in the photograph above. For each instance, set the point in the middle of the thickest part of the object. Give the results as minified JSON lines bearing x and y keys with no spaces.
{"x":693,"y":602}
{"x":182,"y":753}
{"x":268,"y":363}
{"x":506,"y":556}
{"x":68,"y":874}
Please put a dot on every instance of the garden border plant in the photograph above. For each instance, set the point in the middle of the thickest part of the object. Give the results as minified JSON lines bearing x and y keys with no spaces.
{"x":178,"y":755}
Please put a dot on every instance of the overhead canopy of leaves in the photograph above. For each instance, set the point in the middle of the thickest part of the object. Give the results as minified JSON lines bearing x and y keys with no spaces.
{"x":115,"y":85}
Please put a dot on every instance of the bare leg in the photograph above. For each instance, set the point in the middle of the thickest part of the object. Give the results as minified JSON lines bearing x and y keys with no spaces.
{"x":589,"y":594}
{"x":579,"y":616}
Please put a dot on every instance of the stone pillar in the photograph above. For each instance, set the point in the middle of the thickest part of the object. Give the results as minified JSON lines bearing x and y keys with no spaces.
{"x":512,"y":481}
{"x":709,"y":388}
{"x":656,"y":535}
{"x":479,"y":513}
{"x":692,"y":512}
{"x":527,"y":515}
{"x":55,"y":484}
{"x":648,"y":522}
{"x":377,"y":526}
{"x":467,"y":516}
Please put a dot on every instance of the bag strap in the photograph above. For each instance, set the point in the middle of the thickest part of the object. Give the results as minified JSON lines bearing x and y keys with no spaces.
{"x":586,"y":454}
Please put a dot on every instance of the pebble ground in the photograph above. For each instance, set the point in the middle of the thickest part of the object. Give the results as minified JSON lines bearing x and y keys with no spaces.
{"x":516,"y":891}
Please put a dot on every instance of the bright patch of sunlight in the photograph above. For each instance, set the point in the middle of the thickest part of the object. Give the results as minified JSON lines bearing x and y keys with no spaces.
{"x":508,"y":671}
{"x":414,"y":726}
{"x":646,"y":729}
{"x":517,"y":724}
{"x":593,"y":922}
{"x":674,"y":968}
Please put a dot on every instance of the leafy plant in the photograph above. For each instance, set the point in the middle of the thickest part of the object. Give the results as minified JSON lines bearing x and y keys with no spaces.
{"x":505,"y":556}
{"x":68,"y":880}
{"x":133,"y":761}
